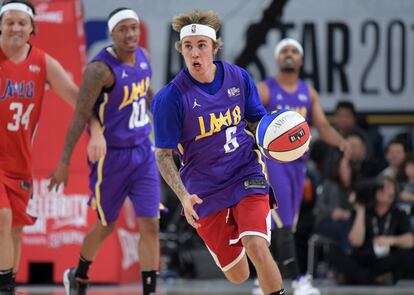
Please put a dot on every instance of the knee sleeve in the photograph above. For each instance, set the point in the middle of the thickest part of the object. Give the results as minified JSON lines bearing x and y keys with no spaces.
{"x":284,"y":251}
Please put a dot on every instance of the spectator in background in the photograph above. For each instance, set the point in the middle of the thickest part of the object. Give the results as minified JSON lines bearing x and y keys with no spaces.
{"x":345,"y":117}
{"x":395,"y":154}
{"x":344,"y":121}
{"x":407,"y":188}
{"x":380,"y":236}
{"x":407,"y":138}
{"x":333,"y":207}
{"x":361,"y":158}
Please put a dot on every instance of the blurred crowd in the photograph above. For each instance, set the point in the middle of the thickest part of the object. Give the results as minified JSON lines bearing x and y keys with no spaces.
{"x":362,"y":207}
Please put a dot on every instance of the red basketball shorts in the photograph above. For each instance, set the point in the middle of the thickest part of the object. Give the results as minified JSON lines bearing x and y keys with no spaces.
{"x":15,"y":194}
{"x":223,"y":230}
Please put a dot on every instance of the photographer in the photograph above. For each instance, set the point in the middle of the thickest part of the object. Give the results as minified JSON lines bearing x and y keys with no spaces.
{"x":380,"y":236}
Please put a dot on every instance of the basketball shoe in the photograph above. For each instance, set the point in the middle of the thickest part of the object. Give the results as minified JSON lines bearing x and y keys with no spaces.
{"x":303,"y":286}
{"x":74,"y":285}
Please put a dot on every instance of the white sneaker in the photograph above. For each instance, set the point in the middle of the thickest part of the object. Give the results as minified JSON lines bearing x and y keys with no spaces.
{"x":303,"y":286}
{"x":256,"y":288}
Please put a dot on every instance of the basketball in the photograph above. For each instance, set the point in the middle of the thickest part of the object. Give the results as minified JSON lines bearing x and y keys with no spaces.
{"x":283,"y":135}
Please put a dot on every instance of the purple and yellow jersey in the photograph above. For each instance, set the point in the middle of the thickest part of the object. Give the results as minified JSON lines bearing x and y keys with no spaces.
{"x":287,"y":179}
{"x":298,"y":101}
{"x":218,"y":160}
{"x":122,"y":109}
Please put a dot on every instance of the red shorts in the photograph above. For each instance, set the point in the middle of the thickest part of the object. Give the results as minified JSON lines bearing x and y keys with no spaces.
{"x":222,"y":231}
{"x":15,"y":194}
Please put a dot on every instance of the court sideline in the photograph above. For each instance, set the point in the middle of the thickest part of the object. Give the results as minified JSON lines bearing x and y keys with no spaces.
{"x":209,"y":287}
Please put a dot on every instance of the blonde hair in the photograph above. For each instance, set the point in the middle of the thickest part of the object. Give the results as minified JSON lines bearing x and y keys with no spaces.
{"x":209,"y":18}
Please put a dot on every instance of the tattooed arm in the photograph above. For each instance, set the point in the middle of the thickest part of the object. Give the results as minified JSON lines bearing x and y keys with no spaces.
{"x":150,"y":93}
{"x":150,"y":96}
{"x":97,"y":76}
{"x":171,"y":176}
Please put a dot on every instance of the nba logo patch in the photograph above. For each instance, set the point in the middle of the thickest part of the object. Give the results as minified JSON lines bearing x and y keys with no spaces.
{"x":193,"y":29}
{"x":303,"y":97}
{"x":34,"y":68}
{"x":233,"y":91}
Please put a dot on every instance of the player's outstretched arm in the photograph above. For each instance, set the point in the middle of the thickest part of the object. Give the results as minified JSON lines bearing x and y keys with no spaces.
{"x":64,"y":86}
{"x":97,"y":76}
{"x":326,"y":132}
{"x":60,"y":81}
{"x":171,"y":176}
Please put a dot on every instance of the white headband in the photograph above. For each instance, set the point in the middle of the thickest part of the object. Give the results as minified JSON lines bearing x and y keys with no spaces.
{"x":285,"y":42}
{"x":17,"y":6}
{"x":197,"y":30}
{"x":120,"y":16}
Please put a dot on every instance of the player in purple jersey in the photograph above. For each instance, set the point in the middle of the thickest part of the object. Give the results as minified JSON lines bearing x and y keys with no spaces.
{"x":203,"y":113}
{"x":115,"y":87}
{"x":286,"y":90}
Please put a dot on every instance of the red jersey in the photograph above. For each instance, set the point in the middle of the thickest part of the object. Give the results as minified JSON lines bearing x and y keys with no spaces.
{"x":21,"y":94}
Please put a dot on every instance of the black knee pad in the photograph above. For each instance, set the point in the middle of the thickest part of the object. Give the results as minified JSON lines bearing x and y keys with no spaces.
{"x":284,"y":251}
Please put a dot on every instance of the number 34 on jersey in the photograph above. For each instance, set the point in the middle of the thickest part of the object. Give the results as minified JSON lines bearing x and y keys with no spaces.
{"x":21,"y":116}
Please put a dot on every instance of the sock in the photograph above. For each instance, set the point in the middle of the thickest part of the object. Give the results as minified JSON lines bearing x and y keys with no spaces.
{"x":83,"y":268}
{"x":14,"y":279}
{"x":149,"y":282}
{"x":280,"y":292}
{"x":6,"y":280}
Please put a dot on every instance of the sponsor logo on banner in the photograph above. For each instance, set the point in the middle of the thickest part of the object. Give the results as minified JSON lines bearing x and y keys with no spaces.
{"x":55,"y":212}
{"x":44,"y":15}
{"x":129,"y":246}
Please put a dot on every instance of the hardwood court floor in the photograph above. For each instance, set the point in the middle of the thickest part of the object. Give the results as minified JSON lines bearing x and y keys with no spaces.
{"x":210,"y":287}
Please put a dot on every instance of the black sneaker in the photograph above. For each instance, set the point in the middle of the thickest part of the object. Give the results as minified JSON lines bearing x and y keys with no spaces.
{"x":74,"y":285}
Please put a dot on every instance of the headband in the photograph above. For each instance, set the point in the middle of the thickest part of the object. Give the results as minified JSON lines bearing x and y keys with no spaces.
{"x":120,"y":16}
{"x":197,"y":30}
{"x":17,"y":6}
{"x":285,"y":42}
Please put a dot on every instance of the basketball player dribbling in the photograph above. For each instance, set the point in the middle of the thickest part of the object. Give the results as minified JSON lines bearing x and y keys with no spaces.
{"x":286,"y":90}
{"x":221,"y":184}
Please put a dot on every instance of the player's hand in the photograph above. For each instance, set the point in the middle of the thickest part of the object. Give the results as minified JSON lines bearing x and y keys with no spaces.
{"x":59,"y":176}
{"x":190,"y":214}
{"x":96,"y":146}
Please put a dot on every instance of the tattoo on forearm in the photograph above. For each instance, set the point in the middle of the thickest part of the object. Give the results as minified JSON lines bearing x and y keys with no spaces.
{"x":97,"y":76}
{"x":170,"y":173}
{"x":150,"y":96}
{"x":74,"y":132}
